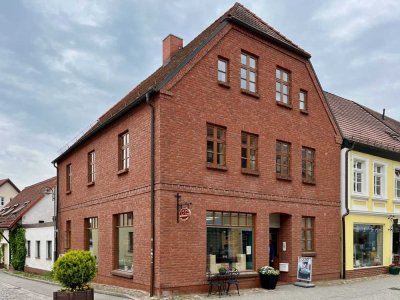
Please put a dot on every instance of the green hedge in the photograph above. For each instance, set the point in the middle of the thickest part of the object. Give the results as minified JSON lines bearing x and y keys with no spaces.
{"x":18,"y":249}
{"x":75,"y":270}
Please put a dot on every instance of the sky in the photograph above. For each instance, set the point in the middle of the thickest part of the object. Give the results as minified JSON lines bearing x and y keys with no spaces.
{"x":64,"y":63}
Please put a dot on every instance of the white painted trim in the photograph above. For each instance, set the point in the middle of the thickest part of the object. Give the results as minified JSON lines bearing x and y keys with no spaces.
{"x":360,"y":196}
{"x":396,"y":199}
{"x":385,"y":178}
{"x":372,"y":213}
{"x":365,"y":185}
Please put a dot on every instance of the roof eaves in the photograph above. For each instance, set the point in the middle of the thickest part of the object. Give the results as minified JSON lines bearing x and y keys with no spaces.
{"x":270,"y":37}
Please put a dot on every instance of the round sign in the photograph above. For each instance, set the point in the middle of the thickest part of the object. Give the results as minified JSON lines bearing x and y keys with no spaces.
{"x":184,"y":214}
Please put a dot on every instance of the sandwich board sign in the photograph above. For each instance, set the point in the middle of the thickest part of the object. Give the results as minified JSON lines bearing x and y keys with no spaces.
{"x":304,"y":268}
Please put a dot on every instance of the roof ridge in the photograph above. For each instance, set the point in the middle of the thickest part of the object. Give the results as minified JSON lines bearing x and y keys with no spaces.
{"x":268,"y":25}
{"x":368,"y":110}
{"x":41,"y":182}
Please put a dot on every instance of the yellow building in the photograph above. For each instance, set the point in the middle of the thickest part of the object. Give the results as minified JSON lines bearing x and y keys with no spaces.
{"x":370,"y":188}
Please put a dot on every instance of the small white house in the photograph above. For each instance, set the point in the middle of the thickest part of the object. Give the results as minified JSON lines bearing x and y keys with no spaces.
{"x":34,"y":209}
{"x":8,"y":191}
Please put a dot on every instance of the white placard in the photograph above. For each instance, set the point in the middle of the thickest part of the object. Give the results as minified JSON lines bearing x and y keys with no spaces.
{"x":304,"y":268}
{"x":248,"y":250}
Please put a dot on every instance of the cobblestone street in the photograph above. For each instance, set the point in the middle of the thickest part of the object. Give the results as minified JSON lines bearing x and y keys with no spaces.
{"x":8,"y":291}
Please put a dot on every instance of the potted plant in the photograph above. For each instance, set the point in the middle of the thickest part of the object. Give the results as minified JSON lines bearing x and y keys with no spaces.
{"x":75,"y":270}
{"x":222,"y":270}
{"x":268,"y":277}
{"x":394,"y":269}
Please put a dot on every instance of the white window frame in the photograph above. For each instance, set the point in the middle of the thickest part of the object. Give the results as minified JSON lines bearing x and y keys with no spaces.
{"x":383,"y":194}
{"x":396,"y":183}
{"x":365,"y":176}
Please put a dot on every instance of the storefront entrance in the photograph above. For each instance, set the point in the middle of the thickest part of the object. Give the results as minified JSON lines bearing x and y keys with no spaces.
{"x":280,"y":239}
{"x":396,"y":242}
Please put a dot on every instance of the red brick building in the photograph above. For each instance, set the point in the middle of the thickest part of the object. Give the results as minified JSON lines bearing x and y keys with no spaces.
{"x":235,"y":122}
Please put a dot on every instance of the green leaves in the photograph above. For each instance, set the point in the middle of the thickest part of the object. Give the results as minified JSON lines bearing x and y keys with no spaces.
{"x":75,"y":270}
{"x":18,"y":249}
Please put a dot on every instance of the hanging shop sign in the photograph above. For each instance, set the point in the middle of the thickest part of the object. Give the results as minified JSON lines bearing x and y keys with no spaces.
{"x":183,"y":211}
{"x":304,"y":268}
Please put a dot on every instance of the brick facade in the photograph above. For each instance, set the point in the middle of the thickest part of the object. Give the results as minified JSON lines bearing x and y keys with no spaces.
{"x":192,"y":99}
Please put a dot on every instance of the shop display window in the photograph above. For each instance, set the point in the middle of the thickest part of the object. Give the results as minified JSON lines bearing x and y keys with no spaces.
{"x":229,"y":241}
{"x":368,"y":245}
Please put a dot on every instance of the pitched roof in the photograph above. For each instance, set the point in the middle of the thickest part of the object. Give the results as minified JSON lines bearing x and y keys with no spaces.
{"x":360,"y":124}
{"x":23,"y":202}
{"x":4,"y":181}
{"x":237,"y":14}
{"x":392,"y":123}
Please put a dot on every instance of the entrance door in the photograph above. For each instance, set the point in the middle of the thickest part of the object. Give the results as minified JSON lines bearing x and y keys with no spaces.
{"x":274,"y":242}
{"x":247,"y":246}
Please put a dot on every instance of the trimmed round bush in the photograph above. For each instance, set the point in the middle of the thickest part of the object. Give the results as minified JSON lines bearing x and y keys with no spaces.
{"x":75,"y":270}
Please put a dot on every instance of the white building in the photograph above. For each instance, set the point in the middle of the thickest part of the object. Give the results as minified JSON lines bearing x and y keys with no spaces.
{"x":33,"y":208}
{"x":8,"y":191}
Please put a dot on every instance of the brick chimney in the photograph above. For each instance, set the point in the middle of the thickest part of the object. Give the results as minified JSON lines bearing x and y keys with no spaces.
{"x":171,"y":44}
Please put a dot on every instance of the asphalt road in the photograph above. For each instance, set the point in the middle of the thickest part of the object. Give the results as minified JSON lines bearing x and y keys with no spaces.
{"x":16,"y":288}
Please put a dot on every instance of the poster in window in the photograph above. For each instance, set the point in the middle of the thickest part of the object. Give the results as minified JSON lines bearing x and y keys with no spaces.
{"x":304,"y":268}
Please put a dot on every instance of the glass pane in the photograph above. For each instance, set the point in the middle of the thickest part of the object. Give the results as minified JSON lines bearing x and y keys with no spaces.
{"x":210,"y":131}
{"x":285,"y":89}
{"x":221,"y":65}
{"x":221,"y":159}
{"x":125,"y":248}
{"x":278,"y":96}
{"x":252,"y":76}
{"x":278,"y":87}
{"x":309,"y":245}
{"x":285,"y":99}
{"x":253,"y":140}
{"x":249,"y":220}
{"x":368,"y":245}
{"x":243,"y":84}
{"x":243,"y":59}
{"x":301,"y":96}
{"x":244,"y":138}
{"x":278,"y":147}
{"x":252,"y":87}
{"x":285,"y":76}
{"x":301,"y":105}
{"x":309,"y":222}
{"x":303,"y":245}
{"x":252,"y":63}
{"x":217,"y":218}
{"x":220,"y":134}
{"x":227,"y":218}
{"x":243,"y":73}
{"x":209,"y":218}
{"x":221,"y":76}
{"x":242,"y":219}
{"x":244,"y":162}
{"x":278,"y":74}
{"x":234,"y":219}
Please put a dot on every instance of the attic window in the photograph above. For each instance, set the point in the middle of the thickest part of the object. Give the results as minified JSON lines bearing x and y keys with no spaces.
{"x":393,"y":135}
{"x":41,"y":221}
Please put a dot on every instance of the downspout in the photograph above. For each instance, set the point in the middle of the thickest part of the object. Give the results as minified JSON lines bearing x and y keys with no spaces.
{"x":346,"y":207}
{"x":55,"y":194}
{"x":152,"y":195}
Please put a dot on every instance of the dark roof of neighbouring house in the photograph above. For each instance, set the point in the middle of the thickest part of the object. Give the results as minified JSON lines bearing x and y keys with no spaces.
{"x":237,"y":14}
{"x":360,"y":124}
{"x":392,"y":123}
{"x":23,"y":202}
{"x":4,"y":181}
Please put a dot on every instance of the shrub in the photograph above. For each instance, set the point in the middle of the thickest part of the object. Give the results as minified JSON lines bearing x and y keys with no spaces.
{"x":75,"y":270}
{"x":267,"y":270}
{"x":18,"y":249}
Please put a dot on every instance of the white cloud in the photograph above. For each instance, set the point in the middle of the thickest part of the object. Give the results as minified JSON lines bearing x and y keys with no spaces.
{"x":347,"y":19}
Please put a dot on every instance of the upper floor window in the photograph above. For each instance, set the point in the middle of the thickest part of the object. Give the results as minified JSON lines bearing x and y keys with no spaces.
{"x":1,"y":200}
{"x":222,"y":70}
{"x":307,"y":234}
{"x":282,"y":159}
{"x":123,"y":147}
{"x":69,"y":177}
{"x":28,"y":248}
{"x":49,"y":249}
{"x":37,"y":249}
{"x":308,"y":165}
{"x":303,"y":100}
{"x":397,"y":183}
{"x":379,"y":180}
{"x":248,"y":72}
{"x":216,"y":145}
{"x":359,"y":176}
{"x":249,"y":151}
{"x":282,"y":86}
{"x":91,"y":167}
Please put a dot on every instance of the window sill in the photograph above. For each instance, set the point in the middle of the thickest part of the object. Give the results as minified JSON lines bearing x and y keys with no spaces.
{"x":379,"y":199}
{"x":90,"y":183}
{"x":37,"y":257}
{"x":397,"y":201}
{"x":309,"y":254}
{"x":49,"y":258}
{"x":252,"y":94}
{"x":304,"y":112}
{"x":310,"y":182}
{"x":217,"y":167}
{"x":123,"y":171}
{"x":288,"y":106}
{"x":121,"y":273}
{"x":250,"y":172}
{"x":283,"y":178}
{"x":244,"y":274}
{"x":224,"y":84}
{"x":360,"y":196}
{"x":68,"y":192}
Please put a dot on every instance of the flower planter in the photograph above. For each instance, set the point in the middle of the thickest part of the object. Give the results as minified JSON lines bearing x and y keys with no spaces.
{"x":268,"y":281}
{"x":82,"y":295}
{"x":394,"y":270}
